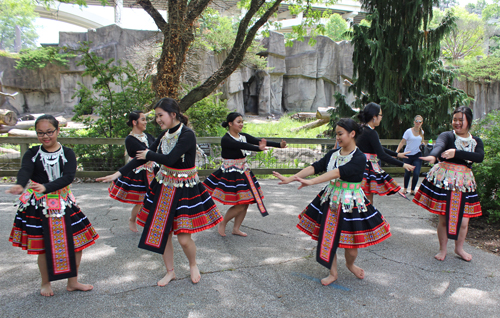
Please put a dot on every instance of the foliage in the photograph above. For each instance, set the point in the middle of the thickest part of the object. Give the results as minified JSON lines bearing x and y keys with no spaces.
{"x":206,"y":116}
{"x":485,"y":70}
{"x":336,"y":28}
{"x":116,"y":91}
{"x":476,"y":8}
{"x":466,"y":39}
{"x":38,"y":58}
{"x":9,"y":54}
{"x":396,"y":64}
{"x":486,"y":173}
{"x":281,"y":129}
{"x":445,"y":4}
{"x":491,"y":11}
{"x":21,"y":14}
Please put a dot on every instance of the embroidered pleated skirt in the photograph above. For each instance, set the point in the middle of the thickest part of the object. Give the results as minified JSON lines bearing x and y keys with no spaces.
{"x":132,"y":188}
{"x":28,"y":229}
{"x":376,"y":180}
{"x":234,"y":183}
{"x":175,"y":202}
{"x":333,"y":226}
{"x":450,"y":190}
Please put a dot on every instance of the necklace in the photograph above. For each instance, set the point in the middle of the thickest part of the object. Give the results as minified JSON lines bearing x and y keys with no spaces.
{"x":142,"y":138}
{"x":169,"y":140}
{"x":465,"y":143}
{"x":50,"y":161}
{"x":337,"y":160}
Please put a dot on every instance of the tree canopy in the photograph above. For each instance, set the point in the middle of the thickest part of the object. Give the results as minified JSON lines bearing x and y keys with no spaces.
{"x":20,"y":15}
{"x":179,"y":28}
{"x":396,"y":64}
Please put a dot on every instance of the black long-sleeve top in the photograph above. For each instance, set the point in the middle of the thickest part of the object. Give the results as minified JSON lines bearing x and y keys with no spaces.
{"x":36,"y":172}
{"x":350,"y":172}
{"x":369,"y":142}
{"x":446,"y":141}
{"x":231,"y":148}
{"x":186,"y":145}
{"x":133,"y":145}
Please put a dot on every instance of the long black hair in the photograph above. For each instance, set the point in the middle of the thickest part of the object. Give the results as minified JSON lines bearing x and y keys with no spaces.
{"x":230,"y":118}
{"x":467,"y":112}
{"x":371,"y":109}
{"x":52,"y":120}
{"x":134,"y":115}
{"x":172,"y":107}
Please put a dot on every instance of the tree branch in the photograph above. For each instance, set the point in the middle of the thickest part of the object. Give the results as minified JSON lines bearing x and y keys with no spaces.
{"x":195,"y":9}
{"x":157,"y":17}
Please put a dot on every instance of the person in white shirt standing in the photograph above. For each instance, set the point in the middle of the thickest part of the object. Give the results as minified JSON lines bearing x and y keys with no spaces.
{"x":413,"y":138}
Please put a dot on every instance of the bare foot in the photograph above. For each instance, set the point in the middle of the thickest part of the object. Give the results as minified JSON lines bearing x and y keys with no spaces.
{"x":464,"y":255}
{"x":222,"y":229}
{"x":167,"y":278}
{"x":329,"y":279}
{"x":238,"y":232}
{"x":46,"y":290}
{"x":132,"y":226}
{"x":440,"y":256}
{"x":79,"y":286}
{"x":195,"y":274}
{"x":357,"y":271}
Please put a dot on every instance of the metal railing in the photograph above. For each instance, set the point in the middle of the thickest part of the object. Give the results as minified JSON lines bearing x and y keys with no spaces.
{"x":300,"y":153}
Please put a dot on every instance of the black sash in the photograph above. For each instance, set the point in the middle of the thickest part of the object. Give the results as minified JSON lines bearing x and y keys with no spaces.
{"x":59,"y":247}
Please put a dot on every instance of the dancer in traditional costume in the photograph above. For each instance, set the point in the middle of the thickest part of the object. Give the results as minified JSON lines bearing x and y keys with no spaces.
{"x":234,"y":183}
{"x":413,"y":138}
{"x":341,"y":215}
{"x":449,"y":188}
{"x":375,"y":179}
{"x":132,"y":188}
{"x":176,"y":202}
{"x":48,"y":221}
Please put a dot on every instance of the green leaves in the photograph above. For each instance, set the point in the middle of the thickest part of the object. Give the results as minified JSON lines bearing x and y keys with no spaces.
{"x":38,"y":58}
{"x":20,"y":14}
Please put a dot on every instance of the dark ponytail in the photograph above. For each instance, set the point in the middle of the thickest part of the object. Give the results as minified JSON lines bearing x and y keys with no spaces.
{"x":172,"y":107}
{"x":230,"y":118}
{"x":367,"y":114}
{"x":134,"y":115}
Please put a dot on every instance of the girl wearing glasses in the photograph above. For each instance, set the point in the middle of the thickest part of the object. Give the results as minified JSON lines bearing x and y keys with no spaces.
{"x":449,"y":189}
{"x":234,"y":183}
{"x":176,"y":201}
{"x":375,"y":179}
{"x":48,"y":222}
{"x":413,"y":138}
{"x":132,"y":187}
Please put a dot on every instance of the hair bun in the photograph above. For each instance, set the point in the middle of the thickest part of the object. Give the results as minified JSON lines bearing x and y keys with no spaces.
{"x":224,"y":124}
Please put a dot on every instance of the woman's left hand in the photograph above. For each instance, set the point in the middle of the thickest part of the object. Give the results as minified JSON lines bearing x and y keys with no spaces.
{"x":141,"y":154}
{"x":403,"y":154}
{"x":303,"y":182}
{"x":283,"y":144}
{"x":37,"y":187}
{"x":448,"y":154}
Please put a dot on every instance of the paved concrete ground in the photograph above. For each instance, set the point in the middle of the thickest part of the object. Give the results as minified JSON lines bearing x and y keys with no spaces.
{"x":270,"y":273}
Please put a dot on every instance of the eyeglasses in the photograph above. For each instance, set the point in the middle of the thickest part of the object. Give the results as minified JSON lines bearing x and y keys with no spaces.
{"x":49,"y":133}
{"x":380,"y":115}
{"x":418,"y":121}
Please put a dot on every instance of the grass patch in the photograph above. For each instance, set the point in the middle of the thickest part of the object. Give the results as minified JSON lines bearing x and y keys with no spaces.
{"x":282,"y":128}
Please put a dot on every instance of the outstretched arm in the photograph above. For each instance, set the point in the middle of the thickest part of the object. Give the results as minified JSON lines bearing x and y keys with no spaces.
{"x":330,"y":175}
{"x":306,"y":172}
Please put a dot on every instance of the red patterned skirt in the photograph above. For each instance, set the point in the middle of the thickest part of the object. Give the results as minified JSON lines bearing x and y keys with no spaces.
{"x":434,"y":197}
{"x":376,"y":180}
{"x":169,"y":207}
{"x":333,"y":228}
{"x":28,"y":231}
{"x":232,"y":184}
{"x":132,"y":188}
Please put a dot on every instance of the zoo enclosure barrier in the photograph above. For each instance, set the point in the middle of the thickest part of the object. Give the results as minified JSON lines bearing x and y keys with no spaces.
{"x":98,"y":157}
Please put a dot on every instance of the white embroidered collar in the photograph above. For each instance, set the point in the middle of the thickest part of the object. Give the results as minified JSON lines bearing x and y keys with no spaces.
{"x":51,"y":163}
{"x":241,"y":138}
{"x":338,"y":160}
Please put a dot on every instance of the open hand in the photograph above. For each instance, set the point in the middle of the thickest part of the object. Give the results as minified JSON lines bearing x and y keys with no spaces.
{"x":263,"y":144}
{"x":284,"y":180}
{"x":429,"y":159}
{"x":304,"y":182}
{"x":111,"y":177}
{"x":141,"y":154}
{"x":15,"y":189}
{"x":449,"y":154}
{"x":403,"y":155}
{"x":37,"y":187}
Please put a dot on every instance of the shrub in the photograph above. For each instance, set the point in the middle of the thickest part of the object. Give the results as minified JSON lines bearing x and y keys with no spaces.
{"x":206,"y":116}
{"x":488,"y":183}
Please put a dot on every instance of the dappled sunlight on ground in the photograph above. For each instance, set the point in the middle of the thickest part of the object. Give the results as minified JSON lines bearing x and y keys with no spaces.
{"x":414,"y":231}
{"x":473,"y":296}
{"x":441,"y":288}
